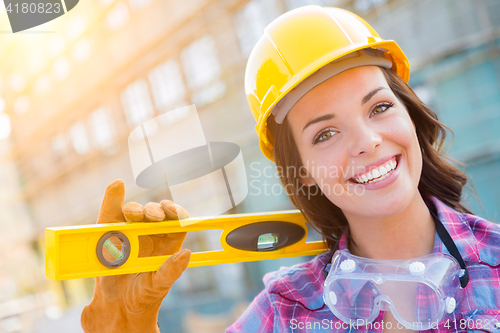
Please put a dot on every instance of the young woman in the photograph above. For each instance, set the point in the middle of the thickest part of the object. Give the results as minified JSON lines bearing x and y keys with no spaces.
{"x":331,"y":97}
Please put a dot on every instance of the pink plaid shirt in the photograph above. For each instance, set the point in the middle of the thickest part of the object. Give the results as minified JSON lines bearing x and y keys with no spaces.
{"x":293,"y":298}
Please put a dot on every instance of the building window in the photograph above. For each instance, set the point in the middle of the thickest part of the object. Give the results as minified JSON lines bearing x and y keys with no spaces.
{"x":364,"y":6}
{"x":79,"y":138}
{"x":21,"y":105}
{"x":137,"y":103}
{"x":118,"y":16}
{"x":82,"y":49}
{"x":56,"y":45}
{"x":200,"y":63}
{"x":61,"y":68}
{"x":76,"y":27}
{"x":251,"y":21}
{"x":102,"y":129}
{"x":107,"y":2}
{"x":17,"y":82}
{"x":5,"y":127}
{"x":59,"y":144}
{"x":43,"y":84}
{"x":139,"y":4}
{"x":167,"y":85}
{"x":202,"y":69}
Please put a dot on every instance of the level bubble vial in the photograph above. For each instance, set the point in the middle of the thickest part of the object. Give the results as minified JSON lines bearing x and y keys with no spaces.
{"x":113,"y":250}
{"x":267,"y":241}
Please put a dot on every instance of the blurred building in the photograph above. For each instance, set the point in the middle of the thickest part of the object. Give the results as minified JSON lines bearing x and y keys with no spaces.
{"x":71,"y":96}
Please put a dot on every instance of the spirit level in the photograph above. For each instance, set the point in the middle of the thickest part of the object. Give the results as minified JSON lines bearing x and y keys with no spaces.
{"x":78,"y":251}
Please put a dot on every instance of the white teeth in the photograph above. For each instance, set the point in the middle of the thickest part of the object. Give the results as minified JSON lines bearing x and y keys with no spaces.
{"x":378,"y":174}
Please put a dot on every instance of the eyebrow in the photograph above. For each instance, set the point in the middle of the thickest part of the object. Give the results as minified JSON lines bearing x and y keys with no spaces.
{"x":370,"y":95}
{"x":316,"y":120}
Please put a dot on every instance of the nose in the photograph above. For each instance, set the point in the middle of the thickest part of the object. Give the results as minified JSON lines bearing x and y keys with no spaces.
{"x":364,"y":139}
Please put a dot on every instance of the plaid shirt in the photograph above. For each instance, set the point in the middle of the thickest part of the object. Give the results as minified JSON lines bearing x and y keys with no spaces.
{"x":293,"y":298}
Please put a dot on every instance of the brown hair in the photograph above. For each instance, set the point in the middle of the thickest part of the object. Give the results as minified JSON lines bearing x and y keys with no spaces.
{"x":439,"y":178}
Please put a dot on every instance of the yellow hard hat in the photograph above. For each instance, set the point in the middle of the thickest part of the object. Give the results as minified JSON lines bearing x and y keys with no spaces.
{"x":297,"y":45}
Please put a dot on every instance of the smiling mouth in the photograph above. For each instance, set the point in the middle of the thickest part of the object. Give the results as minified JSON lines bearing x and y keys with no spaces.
{"x":377,"y":174}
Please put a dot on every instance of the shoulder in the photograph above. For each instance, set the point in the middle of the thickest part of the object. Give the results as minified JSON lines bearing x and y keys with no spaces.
{"x":302,"y":283}
{"x":479,"y":299}
{"x":477,"y":239}
{"x":487,"y":237}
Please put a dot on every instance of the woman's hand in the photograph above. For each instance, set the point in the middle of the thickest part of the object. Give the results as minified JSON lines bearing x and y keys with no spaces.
{"x":130,"y":303}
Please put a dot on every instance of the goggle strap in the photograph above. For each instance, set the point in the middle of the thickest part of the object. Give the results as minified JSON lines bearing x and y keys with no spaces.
{"x":452,"y":248}
{"x":328,"y":265}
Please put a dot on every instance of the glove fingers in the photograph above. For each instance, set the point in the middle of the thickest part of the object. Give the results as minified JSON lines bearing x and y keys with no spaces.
{"x":173,"y":211}
{"x":111,"y":207}
{"x":155,"y":245}
{"x":146,"y":288}
{"x":153,"y":212}
{"x":133,"y":212}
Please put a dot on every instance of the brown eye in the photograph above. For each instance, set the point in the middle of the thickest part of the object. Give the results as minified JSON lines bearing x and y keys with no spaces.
{"x":382,"y":108}
{"x":324,"y":135}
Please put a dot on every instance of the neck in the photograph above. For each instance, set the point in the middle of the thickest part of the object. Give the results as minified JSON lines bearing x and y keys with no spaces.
{"x":405,"y":235}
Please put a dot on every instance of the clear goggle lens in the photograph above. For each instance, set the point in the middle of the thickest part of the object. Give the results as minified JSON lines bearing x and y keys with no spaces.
{"x":361,"y":300}
{"x":359,"y":288}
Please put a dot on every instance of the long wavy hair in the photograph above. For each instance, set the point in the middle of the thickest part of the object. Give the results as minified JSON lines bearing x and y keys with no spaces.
{"x":439,"y":177}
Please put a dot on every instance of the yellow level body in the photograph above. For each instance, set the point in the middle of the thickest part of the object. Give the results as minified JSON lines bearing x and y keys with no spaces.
{"x":72,"y":252}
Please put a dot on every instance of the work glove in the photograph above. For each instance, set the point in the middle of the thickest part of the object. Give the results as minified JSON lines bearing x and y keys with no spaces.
{"x":130,"y":303}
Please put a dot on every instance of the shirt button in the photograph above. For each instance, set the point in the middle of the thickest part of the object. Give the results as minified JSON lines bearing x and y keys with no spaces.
{"x":497,"y":325}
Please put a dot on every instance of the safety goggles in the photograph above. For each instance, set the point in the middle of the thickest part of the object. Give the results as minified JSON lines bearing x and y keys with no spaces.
{"x":419,"y":292}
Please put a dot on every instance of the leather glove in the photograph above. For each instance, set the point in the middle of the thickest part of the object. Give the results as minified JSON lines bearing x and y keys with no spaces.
{"x":130,"y":303}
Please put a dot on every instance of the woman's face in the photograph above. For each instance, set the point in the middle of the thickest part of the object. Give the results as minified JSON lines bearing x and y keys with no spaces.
{"x":358,"y":143}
